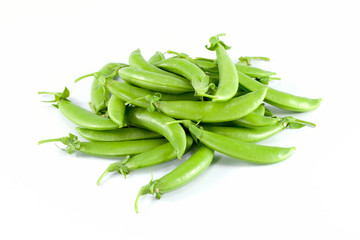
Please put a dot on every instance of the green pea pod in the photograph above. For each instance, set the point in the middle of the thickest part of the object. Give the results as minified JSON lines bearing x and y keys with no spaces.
{"x":260,"y":110}
{"x":157,"y":57}
{"x":158,"y":122}
{"x":251,"y":135}
{"x":280,"y":99}
{"x":155,"y":81}
{"x":137,"y":61}
{"x":235,"y":148}
{"x":207,"y":111}
{"x":116,"y":111}
{"x":158,"y":155}
{"x":228,"y":82}
{"x":107,"y":149}
{"x":180,"y":176}
{"x":140,"y":97}
{"x":117,"y":135}
{"x":80,"y":116}
{"x":185,"y":68}
{"x":253,"y":120}
{"x":247,"y":60}
{"x":99,"y":94}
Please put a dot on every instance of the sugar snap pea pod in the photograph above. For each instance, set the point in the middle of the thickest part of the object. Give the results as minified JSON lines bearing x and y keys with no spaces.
{"x":155,"y":81}
{"x":253,"y":120}
{"x":142,"y":97}
{"x":235,"y":148}
{"x":160,"y":154}
{"x":260,"y":110}
{"x":157,"y":122}
{"x":181,"y":175}
{"x":117,"y":135}
{"x":228,"y":81}
{"x":207,"y":111}
{"x":107,"y":149}
{"x":79,"y":115}
{"x":185,"y":68}
{"x":247,"y":134}
{"x":116,"y":110}
{"x":99,"y":94}
{"x":157,"y":57}
{"x":137,"y":61}
{"x":280,"y":99}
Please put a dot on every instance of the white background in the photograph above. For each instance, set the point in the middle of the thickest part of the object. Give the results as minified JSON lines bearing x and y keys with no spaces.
{"x":47,"y":194}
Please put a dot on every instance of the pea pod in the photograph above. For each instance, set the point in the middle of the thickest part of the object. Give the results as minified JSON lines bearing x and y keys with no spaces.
{"x":207,"y":111}
{"x":107,"y":149}
{"x":137,"y":61}
{"x":181,"y":175}
{"x":160,"y":154}
{"x":185,"y":68}
{"x":235,"y":148}
{"x":247,"y":60}
{"x":117,"y":135}
{"x":116,"y":111}
{"x":157,"y":57}
{"x":157,"y":122}
{"x":253,"y":120}
{"x":99,"y":94}
{"x":155,"y":81}
{"x":228,"y":82}
{"x":78,"y":115}
{"x":280,"y":99}
{"x":142,"y":97}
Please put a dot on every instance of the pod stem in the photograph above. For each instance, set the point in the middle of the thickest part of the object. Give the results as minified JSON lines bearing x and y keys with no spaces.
{"x":58,"y":96}
{"x":147,"y":189}
{"x":247,"y":60}
{"x":119,"y":166}
{"x":71,"y":142}
{"x":86,"y":76}
{"x":214,"y":41}
{"x":294,"y":123}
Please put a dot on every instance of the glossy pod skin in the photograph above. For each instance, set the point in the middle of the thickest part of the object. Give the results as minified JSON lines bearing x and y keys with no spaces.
{"x":117,"y":135}
{"x":137,"y":61}
{"x":157,"y":57}
{"x":116,"y":111}
{"x":207,"y":111}
{"x":251,"y":135}
{"x":181,"y":175}
{"x":158,"y":122}
{"x":280,"y":99}
{"x":235,"y":148}
{"x":187,"y":69}
{"x":228,"y":79}
{"x":84,"y":118}
{"x":158,"y":155}
{"x":136,"y":96}
{"x":254,"y":120}
{"x":155,"y":81}
{"x":108,"y":149}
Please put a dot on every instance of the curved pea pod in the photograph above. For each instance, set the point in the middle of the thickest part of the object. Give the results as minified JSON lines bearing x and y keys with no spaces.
{"x":253,"y":72}
{"x":228,"y":79}
{"x":117,"y":135}
{"x":185,"y":68}
{"x":79,"y":115}
{"x":107,"y":149}
{"x":158,"y":122}
{"x":251,"y":135}
{"x":207,"y":111}
{"x":157,"y":57}
{"x":235,"y":148}
{"x":116,"y":110}
{"x":280,"y":99}
{"x":254,"y":120}
{"x":180,"y":176}
{"x":142,"y":97}
{"x":247,"y":60}
{"x":155,"y":81}
{"x":99,"y":95}
{"x":158,"y":155}
{"x":137,"y":61}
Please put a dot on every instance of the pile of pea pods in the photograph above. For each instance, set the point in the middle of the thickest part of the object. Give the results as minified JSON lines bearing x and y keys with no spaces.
{"x":153,"y":111}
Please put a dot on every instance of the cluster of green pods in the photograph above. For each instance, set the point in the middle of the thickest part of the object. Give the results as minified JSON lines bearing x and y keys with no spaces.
{"x":152,"y":111}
